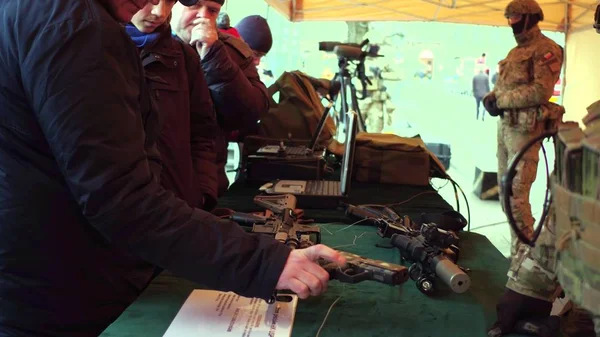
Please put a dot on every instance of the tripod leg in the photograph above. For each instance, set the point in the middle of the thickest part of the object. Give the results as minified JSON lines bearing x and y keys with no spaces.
{"x":334,"y":99}
{"x":361,"y":126}
{"x":343,"y":95}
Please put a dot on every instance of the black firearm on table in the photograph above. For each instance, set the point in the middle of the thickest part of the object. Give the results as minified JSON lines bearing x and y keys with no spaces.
{"x":284,"y":226}
{"x":430,"y":250}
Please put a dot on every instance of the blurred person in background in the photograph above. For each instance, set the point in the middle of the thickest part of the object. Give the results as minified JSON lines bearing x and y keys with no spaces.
{"x":481,"y":86}
{"x":255,"y":31}
{"x":224,"y":25}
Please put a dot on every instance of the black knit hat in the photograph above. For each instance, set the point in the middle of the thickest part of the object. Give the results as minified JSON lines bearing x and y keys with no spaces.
{"x":255,"y":31}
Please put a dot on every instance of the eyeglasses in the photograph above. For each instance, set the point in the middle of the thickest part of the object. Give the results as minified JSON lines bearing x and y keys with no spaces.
{"x":258,"y":54}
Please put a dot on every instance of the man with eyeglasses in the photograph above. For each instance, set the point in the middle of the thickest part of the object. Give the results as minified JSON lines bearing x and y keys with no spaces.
{"x":255,"y":31}
{"x":239,"y":96}
{"x":521,"y":99}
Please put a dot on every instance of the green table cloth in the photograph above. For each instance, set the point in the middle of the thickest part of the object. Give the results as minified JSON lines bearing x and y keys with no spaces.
{"x":364,"y":309}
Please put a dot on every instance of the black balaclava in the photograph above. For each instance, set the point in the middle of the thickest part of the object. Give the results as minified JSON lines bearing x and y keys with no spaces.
{"x":525,"y":24}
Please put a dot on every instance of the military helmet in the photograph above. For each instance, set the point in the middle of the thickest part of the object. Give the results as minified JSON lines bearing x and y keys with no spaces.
{"x":523,"y":7}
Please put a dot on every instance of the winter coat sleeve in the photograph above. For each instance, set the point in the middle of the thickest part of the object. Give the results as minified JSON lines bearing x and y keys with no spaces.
{"x":239,"y":96}
{"x":83,"y":81}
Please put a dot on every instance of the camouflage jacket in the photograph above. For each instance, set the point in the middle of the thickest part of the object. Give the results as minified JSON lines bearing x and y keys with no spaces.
{"x":529,"y":71}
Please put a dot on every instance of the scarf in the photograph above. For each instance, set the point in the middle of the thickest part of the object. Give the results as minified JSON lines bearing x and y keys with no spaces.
{"x":141,"y":39}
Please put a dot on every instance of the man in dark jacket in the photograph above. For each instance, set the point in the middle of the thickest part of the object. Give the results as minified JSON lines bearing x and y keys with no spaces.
{"x":255,"y":31}
{"x":239,"y":96}
{"x":187,"y":138}
{"x":80,"y":202}
{"x":481,"y":86}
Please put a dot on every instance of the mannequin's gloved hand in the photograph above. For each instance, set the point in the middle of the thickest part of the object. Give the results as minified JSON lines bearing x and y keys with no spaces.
{"x":489,"y":102}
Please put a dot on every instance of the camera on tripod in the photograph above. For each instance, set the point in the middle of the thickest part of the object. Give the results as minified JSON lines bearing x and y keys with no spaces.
{"x":351,"y":54}
{"x":351,"y":51}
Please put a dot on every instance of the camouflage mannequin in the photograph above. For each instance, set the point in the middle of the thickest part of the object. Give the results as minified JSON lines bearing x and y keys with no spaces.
{"x":521,"y":97}
{"x":378,"y":101}
{"x":567,"y":250}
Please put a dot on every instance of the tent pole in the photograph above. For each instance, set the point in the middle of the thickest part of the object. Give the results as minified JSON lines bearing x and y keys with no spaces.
{"x":566,"y":31}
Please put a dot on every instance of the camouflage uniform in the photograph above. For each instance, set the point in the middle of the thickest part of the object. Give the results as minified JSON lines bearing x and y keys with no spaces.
{"x":524,"y":87}
{"x":568,"y":249}
{"x":378,"y":105}
{"x":372,"y":107}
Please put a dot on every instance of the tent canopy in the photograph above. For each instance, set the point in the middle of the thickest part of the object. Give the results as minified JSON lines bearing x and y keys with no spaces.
{"x":579,"y":13}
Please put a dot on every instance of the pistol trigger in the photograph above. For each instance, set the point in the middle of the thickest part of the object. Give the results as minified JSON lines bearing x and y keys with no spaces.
{"x":272,"y":299}
{"x":351,"y":276}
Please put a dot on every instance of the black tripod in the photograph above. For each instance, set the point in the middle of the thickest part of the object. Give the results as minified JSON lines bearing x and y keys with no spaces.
{"x":345,"y":78}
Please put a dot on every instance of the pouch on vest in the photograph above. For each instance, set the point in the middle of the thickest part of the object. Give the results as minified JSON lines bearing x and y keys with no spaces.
{"x":577,"y":242}
{"x":551,"y":115}
{"x":577,"y":212}
{"x":524,"y":119}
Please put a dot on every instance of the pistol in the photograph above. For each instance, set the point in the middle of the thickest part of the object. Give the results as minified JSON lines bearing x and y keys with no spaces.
{"x":284,"y":227}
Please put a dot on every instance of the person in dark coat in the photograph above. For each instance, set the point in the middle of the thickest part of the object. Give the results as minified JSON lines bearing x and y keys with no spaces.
{"x":495,"y":76}
{"x":481,"y":86}
{"x":239,"y":96}
{"x":81,"y":207}
{"x":177,"y":83}
{"x":255,"y":31}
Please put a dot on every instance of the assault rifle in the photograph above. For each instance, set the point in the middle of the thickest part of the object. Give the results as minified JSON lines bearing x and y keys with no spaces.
{"x":430,"y":250}
{"x":284,"y":226}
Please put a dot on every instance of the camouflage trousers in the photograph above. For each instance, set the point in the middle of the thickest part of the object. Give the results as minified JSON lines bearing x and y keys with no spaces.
{"x":373,"y":113}
{"x":510,"y":141}
{"x":532,"y":273}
